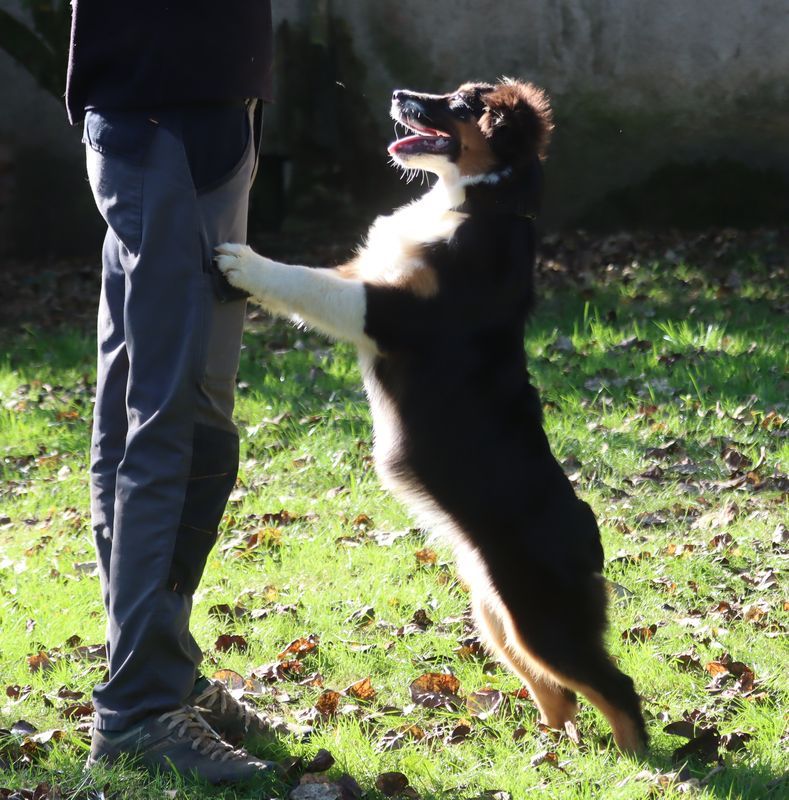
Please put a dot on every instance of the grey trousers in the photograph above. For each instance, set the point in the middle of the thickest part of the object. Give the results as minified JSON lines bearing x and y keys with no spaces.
{"x":164,"y":453}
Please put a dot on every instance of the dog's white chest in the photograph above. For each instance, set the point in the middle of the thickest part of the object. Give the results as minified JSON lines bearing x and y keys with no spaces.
{"x":393,"y":249}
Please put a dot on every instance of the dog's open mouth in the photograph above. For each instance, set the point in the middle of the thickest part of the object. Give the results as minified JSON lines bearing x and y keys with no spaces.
{"x":425,"y":140}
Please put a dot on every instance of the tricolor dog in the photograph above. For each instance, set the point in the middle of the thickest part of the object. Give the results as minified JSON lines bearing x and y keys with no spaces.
{"x":436,"y":302}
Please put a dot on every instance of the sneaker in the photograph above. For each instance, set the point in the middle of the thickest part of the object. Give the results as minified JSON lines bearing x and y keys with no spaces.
{"x":179,"y":741}
{"x":234,"y":720}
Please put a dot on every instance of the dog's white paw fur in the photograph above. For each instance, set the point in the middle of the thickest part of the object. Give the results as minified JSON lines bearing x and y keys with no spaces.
{"x":237,"y":263}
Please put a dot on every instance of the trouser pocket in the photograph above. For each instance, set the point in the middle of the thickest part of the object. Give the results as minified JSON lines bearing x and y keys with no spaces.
{"x":117,"y":144}
{"x":211,"y":479}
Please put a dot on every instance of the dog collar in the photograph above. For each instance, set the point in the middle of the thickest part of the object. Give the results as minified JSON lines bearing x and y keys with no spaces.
{"x":496,"y":193}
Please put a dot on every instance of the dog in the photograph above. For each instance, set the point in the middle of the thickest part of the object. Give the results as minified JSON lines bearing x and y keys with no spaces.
{"x":436,"y":302}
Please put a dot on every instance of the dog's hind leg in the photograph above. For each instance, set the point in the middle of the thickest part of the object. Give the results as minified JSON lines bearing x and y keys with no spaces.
{"x":566,"y":641}
{"x":556,"y":704}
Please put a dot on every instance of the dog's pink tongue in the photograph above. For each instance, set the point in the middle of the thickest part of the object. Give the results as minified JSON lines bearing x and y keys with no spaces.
{"x":424,"y":145}
{"x":399,"y":144}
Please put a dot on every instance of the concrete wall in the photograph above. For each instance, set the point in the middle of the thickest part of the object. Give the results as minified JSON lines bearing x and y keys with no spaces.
{"x":636,"y":84}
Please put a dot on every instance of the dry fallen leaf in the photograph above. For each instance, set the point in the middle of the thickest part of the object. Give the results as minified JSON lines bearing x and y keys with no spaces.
{"x":231,"y":679}
{"x":639,"y":634}
{"x":320,"y":762}
{"x":436,"y":690}
{"x":39,"y":662}
{"x":484,"y":703}
{"x":361,"y":690}
{"x":328,"y":703}
{"x":231,"y":641}
{"x":391,"y":783}
{"x":426,"y":556}
{"x":300,"y":647}
{"x":394,"y":739}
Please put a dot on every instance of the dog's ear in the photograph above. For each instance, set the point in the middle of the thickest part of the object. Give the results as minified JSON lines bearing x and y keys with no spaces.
{"x":517,"y":121}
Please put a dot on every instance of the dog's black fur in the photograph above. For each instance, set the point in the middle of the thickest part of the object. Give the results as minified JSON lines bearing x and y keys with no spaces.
{"x":448,"y":374}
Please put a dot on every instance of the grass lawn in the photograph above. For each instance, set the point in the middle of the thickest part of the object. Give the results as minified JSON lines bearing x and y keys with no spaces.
{"x":662,"y":371}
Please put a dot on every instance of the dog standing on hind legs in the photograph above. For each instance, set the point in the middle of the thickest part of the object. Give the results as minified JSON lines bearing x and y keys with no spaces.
{"x":436,"y":303}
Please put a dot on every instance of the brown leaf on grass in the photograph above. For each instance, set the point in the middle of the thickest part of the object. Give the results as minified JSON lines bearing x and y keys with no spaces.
{"x":39,"y":662}
{"x":654,"y":473}
{"x":688,"y":660}
{"x":549,"y":757}
{"x":458,"y":734}
{"x":722,"y":541}
{"x":64,"y":693}
{"x":231,"y":679}
{"x":755,"y":612}
{"x":265,"y":538}
{"x":484,"y":703}
{"x":362,"y":616}
{"x":520,"y":733}
{"x":394,"y":739}
{"x":361,"y":690}
{"x":735,"y":741}
{"x":768,"y":579}
{"x":91,"y":652}
{"x":18,"y":693}
{"x":677,"y":550}
{"x":362,"y":523}
{"x":350,"y":789}
{"x":686,"y":728}
{"x":639,"y":634}
{"x":419,"y":623}
{"x":278,"y":609}
{"x":470,"y":647}
{"x":279,"y":670}
{"x":78,"y":710}
{"x":426,"y":556}
{"x":652,"y":519}
{"x":421,"y":619}
{"x":724,"y":670}
{"x":300,"y":647}
{"x":226,"y":612}
{"x":735,"y":460}
{"x":315,"y":680}
{"x":718,"y":518}
{"x":780,"y":538}
{"x":231,"y":641}
{"x":436,"y":690}
{"x":23,"y":728}
{"x":705,"y":743}
{"x":320,"y":762}
{"x":279,"y":518}
{"x":328,"y":703}
{"x":391,"y":783}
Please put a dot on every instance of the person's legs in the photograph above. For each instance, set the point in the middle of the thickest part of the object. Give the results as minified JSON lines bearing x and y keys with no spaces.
{"x":179,"y":455}
{"x":109,"y":414}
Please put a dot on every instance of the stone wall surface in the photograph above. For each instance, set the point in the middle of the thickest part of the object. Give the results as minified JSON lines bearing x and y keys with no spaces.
{"x":636,"y":85}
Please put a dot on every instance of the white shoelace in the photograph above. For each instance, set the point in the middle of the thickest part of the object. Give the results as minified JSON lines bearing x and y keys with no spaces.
{"x":217,"y":693}
{"x":188,"y":724}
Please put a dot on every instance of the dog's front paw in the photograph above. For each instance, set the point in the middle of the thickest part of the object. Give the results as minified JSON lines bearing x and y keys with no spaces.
{"x":237,"y":263}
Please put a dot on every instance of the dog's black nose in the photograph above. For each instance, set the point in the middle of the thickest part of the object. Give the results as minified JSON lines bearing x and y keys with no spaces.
{"x":398,"y":95}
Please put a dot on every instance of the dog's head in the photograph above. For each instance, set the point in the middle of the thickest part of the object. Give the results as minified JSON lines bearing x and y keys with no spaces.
{"x":479,"y":129}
